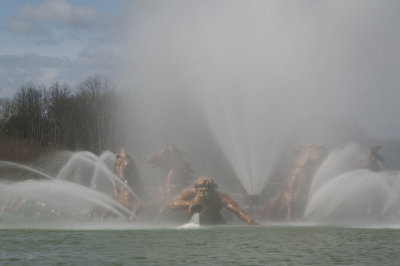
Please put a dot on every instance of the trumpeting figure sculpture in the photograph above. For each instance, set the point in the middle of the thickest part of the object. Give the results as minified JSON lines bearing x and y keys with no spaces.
{"x":206,"y":200}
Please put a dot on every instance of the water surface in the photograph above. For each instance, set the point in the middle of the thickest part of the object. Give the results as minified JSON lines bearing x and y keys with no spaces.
{"x":262,"y":245}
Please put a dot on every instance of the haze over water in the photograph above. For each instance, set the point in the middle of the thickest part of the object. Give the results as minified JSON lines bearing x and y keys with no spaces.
{"x":251,"y":80}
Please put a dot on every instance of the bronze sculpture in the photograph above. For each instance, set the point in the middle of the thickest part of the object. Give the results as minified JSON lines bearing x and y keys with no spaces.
{"x":179,"y":175}
{"x":208,"y":202}
{"x":372,"y":160}
{"x":290,"y":202}
{"x":126,"y":171}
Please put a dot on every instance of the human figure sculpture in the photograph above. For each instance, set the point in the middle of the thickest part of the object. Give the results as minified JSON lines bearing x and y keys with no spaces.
{"x":290,"y":202}
{"x":179,"y":175}
{"x":128,"y":181}
{"x":208,"y":202}
{"x":372,"y":160}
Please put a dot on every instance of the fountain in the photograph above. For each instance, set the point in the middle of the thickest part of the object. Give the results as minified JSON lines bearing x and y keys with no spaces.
{"x":193,"y":223}
{"x":241,"y":123}
{"x":249,"y":89}
{"x":83,"y":181}
{"x":341,"y":193}
{"x":356,"y":197}
{"x":338,"y":161}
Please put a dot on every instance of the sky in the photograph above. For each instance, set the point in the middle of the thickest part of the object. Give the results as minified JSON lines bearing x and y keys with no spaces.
{"x":68,"y":41}
{"x":324,"y":60}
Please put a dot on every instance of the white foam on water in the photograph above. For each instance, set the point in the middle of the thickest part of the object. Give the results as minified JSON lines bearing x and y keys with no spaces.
{"x":194,"y":223}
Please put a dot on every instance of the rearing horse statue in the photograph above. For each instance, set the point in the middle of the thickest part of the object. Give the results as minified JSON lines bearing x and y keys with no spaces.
{"x":179,"y":175}
{"x":372,"y":160}
{"x":128,"y":189}
{"x":292,"y":199}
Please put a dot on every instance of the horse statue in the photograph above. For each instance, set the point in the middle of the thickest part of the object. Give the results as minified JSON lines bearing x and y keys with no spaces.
{"x":371,"y":162}
{"x":290,"y":202}
{"x":35,"y":206}
{"x":373,"y":159}
{"x":179,"y":175}
{"x":127,"y":188}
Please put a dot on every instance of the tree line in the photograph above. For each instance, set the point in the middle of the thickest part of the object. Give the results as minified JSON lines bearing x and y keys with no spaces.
{"x":88,"y":118}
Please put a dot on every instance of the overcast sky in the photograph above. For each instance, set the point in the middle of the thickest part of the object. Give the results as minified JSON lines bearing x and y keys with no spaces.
{"x":328,"y":55}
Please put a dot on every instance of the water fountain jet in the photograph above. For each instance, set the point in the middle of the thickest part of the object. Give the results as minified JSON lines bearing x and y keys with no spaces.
{"x":69,"y":194}
{"x":341,"y":193}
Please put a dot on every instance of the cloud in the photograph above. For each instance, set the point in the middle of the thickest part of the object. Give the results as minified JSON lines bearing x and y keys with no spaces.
{"x":88,"y":43}
{"x":17,"y":70}
{"x":41,"y":20}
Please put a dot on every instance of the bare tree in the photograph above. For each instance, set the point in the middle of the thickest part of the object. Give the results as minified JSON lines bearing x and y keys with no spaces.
{"x":88,"y":119}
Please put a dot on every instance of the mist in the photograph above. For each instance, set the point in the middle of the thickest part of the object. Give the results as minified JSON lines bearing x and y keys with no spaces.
{"x":238,"y":84}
